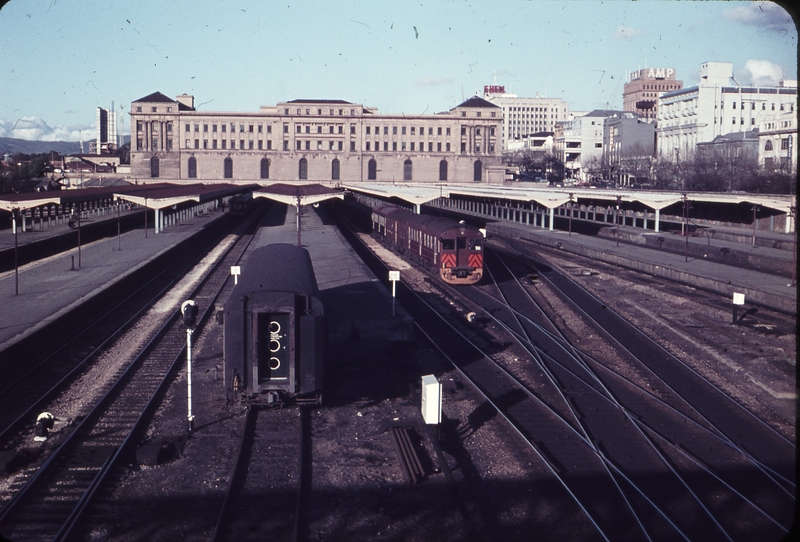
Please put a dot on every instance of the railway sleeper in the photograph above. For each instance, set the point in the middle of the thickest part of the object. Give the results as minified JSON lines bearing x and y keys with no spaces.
{"x":409,"y":459}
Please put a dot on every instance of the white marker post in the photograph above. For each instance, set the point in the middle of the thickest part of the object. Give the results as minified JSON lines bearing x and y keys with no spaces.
{"x":738,"y":299}
{"x":236,"y":271}
{"x":431,"y":401}
{"x":189,"y":312}
{"x":394,"y":276}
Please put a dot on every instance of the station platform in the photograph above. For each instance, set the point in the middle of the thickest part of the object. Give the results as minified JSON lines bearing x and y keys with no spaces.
{"x":357,"y":305}
{"x":667,"y":258}
{"x":51,"y":287}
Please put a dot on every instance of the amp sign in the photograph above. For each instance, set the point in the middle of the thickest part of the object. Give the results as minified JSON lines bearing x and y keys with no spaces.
{"x":653,"y":73}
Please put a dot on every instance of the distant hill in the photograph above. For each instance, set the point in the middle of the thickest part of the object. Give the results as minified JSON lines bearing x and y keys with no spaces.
{"x":14,"y":145}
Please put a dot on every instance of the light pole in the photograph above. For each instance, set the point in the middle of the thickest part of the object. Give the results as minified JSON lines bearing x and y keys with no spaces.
{"x":189,"y":312}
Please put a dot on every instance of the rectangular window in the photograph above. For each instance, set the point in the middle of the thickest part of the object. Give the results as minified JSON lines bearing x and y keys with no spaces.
{"x":463,"y":147}
{"x":352,"y":146}
{"x":188,"y":142}
{"x":196,"y":143}
{"x":430,"y":146}
{"x":447,"y":147}
{"x":308,"y":129}
{"x":367,"y":130}
{"x":308,"y":145}
{"x":214,"y":144}
{"x":205,"y":143}
{"x":319,"y":129}
{"x":224,"y":143}
{"x":214,"y":128}
{"x":269,"y":144}
{"x":259,"y":128}
{"x":385,"y":130}
{"x":241,"y":143}
{"x":412,"y":144}
{"x":330,"y":145}
{"x":187,"y":127}
{"x":385,"y":145}
{"x":269,"y":128}
{"x":241,"y":128}
{"x":299,"y":145}
{"x":353,"y":129}
{"x":319,"y":145}
{"x":448,"y":131}
{"x":439,"y":147}
{"x":340,"y":145}
{"x":285,"y":145}
{"x":250,"y":144}
{"x":260,"y":144}
{"x":403,"y":130}
{"x":394,"y":145}
{"x":403,"y":146}
{"x":439,"y":130}
{"x":413,"y":130}
{"x":285,"y":128}
{"x":367,"y":146}
{"x":233,"y":143}
{"x":223,"y":128}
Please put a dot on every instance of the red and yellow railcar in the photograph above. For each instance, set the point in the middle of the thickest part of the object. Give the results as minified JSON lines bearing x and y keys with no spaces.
{"x":453,"y":248}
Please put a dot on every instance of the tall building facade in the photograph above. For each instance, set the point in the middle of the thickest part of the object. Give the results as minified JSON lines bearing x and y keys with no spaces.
{"x":320,"y":140}
{"x":716,"y":106}
{"x":523,"y":117}
{"x":579,"y":144}
{"x":107,"y":139}
{"x":643,"y":88}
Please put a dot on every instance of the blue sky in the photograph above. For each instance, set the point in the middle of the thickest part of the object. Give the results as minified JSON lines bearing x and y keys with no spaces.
{"x":63,"y":58}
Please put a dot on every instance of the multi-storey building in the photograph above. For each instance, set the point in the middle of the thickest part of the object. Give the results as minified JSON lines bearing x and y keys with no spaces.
{"x":106,"y":140}
{"x":714,"y":107}
{"x":525,"y":116}
{"x":629,"y":145}
{"x":777,"y":141}
{"x":320,"y":140}
{"x":643,"y":88}
{"x":579,"y":143}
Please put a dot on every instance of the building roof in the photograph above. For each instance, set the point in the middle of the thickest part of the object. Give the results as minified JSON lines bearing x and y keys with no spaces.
{"x":477,"y":101}
{"x":603,"y":113}
{"x":308,"y":101}
{"x":155,"y":97}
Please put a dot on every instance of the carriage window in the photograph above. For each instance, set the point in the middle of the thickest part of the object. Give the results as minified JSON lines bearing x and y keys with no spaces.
{"x":474,"y":244}
{"x":448,"y":244}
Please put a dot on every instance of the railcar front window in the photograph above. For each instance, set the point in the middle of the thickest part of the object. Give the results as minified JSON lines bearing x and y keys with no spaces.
{"x":448,"y":244}
{"x":474,"y":244}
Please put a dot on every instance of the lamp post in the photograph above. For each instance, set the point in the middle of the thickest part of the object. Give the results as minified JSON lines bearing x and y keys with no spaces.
{"x":189,"y":312}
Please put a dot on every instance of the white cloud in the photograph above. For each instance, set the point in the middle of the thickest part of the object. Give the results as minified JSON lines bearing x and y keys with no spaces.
{"x":433,"y":82}
{"x":36,"y":129}
{"x":626,"y":32}
{"x":761,"y":73}
{"x":764,"y":15}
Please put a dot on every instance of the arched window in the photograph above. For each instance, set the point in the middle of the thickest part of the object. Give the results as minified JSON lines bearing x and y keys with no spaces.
{"x":372,"y":170}
{"x":154,"y":166}
{"x":768,"y":145}
{"x":228,"y":167}
{"x":192,"y":167}
{"x":443,"y":170}
{"x":303,"y":173}
{"x":265,"y":168}
{"x":478,"y":170}
{"x":407,"y":169}
{"x":335,"y":169}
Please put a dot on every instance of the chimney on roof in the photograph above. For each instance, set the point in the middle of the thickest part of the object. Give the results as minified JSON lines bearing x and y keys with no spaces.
{"x":186,"y":99}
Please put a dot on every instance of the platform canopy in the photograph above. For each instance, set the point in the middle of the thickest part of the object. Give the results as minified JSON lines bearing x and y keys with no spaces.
{"x":22,"y":202}
{"x":294,"y":194}
{"x":552,"y":197}
{"x":163,"y":196}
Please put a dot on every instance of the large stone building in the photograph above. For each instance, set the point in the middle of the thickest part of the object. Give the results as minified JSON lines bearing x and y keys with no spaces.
{"x":315,"y":140}
{"x":716,"y":106}
{"x":643,"y":88}
{"x":777,"y":141}
{"x":525,"y":116}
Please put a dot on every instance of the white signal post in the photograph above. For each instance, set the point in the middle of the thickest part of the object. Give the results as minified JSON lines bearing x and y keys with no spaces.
{"x":189,"y":312}
{"x":738,"y":299}
{"x":394,"y":276}
{"x":236,"y":271}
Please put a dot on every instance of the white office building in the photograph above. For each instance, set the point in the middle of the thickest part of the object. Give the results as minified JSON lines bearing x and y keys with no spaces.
{"x":716,"y":106}
{"x":523,"y":117}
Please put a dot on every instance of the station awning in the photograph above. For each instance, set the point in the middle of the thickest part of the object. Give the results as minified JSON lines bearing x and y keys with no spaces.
{"x":298,"y":194}
{"x":9,"y":202}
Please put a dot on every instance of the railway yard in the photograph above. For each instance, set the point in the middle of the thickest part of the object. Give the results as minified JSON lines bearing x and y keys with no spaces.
{"x":580,"y":400}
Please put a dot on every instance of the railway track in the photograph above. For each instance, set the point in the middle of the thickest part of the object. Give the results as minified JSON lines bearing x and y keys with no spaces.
{"x":661,"y":455}
{"x":265,"y":492}
{"x":51,"y":500}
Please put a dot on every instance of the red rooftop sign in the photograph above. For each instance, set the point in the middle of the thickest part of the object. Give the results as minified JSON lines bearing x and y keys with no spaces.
{"x":494,"y":89}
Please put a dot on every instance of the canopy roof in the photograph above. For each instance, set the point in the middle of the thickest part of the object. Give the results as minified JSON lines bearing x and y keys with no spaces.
{"x":294,"y":194}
